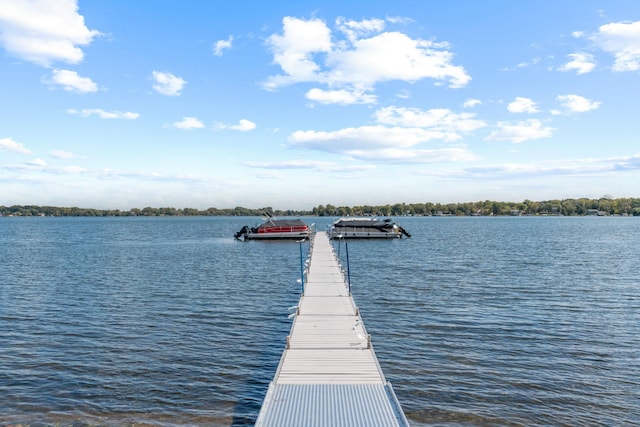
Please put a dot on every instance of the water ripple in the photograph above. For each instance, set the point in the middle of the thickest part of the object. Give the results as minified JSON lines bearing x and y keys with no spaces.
{"x":169,"y":321}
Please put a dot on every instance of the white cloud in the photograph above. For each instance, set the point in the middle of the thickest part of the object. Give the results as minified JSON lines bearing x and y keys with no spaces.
{"x":31,"y":165}
{"x":221,"y":45}
{"x":189,"y":123}
{"x":394,"y":56}
{"x":310,"y":165}
{"x":522,"y":105}
{"x":533,"y":61}
{"x":9,"y":144}
{"x":570,"y":167}
{"x":471,"y":102}
{"x":271,"y":174}
{"x":64,"y":155}
{"x":399,"y":20}
{"x":349,"y":140}
{"x":103,"y":174}
{"x":357,"y":29}
{"x":72,"y":82}
{"x":440,"y":119}
{"x":404,"y":94}
{"x":396,"y":136}
{"x":437,"y":155}
{"x":623,"y":41}
{"x":87,"y":112}
{"x":308,"y":51}
{"x":342,"y":97}
{"x":44,"y":31}
{"x":243,"y":125}
{"x":582,"y":63}
{"x":37,"y":163}
{"x":577,"y":103}
{"x":520,"y":132}
{"x":293,"y":51}
{"x":167,"y":83}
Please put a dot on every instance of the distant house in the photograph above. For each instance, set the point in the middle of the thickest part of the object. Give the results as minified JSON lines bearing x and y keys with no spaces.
{"x":596,"y":212}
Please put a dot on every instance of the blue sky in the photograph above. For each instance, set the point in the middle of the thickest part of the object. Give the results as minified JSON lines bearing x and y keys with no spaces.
{"x":121,"y":104}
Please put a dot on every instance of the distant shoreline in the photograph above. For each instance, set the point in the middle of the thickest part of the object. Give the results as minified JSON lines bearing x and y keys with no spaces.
{"x":566,"y":207}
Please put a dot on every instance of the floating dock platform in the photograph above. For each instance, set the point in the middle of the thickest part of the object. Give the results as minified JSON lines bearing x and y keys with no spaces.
{"x":329,"y":375}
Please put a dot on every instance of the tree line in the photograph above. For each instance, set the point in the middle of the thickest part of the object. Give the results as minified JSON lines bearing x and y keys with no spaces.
{"x":34,"y":210}
{"x":568,"y":207}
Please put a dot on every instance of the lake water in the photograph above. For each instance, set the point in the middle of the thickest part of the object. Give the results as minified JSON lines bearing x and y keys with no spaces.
{"x":170,"y":321}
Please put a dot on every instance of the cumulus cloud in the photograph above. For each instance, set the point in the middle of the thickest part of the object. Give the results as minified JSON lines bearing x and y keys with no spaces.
{"x":471,"y":102}
{"x":189,"y":123}
{"x":243,"y":125}
{"x":397,"y":136}
{"x":308,"y":51}
{"x":381,"y":144}
{"x":221,"y":45}
{"x":341,"y":96}
{"x":44,"y":31}
{"x":522,"y":105}
{"x":9,"y":144}
{"x":88,"y":112}
{"x":293,"y":51}
{"x":358,"y":29}
{"x":395,"y":56}
{"x":520,"y":131}
{"x":167,"y":83}
{"x":581,"y":63}
{"x":72,"y":82}
{"x":441,"y":119}
{"x":622,"y":40}
{"x":577,"y":103}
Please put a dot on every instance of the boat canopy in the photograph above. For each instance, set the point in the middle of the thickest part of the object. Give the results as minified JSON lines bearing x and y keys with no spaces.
{"x":272,"y":222}
{"x":361,"y":222}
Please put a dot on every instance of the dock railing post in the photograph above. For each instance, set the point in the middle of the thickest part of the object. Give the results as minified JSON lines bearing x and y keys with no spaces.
{"x":301,"y":269}
{"x":346,"y":249}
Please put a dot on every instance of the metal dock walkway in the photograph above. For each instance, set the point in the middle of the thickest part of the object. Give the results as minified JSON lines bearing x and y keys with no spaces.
{"x":328,"y":375}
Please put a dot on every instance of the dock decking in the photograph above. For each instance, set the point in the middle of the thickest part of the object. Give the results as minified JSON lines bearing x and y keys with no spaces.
{"x":328,"y":374}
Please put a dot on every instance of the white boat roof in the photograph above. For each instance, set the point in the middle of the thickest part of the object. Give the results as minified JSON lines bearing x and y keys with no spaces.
{"x":361,"y":220}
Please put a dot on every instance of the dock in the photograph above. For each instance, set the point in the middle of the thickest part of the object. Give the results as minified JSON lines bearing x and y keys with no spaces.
{"x":329,"y":375}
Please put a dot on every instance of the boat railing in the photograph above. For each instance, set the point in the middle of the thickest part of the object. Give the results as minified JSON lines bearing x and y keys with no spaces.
{"x":283,"y":229}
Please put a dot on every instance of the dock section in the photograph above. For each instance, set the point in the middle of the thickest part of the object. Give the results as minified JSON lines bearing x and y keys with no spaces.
{"x":329,"y":374}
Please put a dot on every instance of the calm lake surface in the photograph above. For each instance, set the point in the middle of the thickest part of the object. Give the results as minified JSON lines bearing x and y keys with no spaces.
{"x":170,"y":321}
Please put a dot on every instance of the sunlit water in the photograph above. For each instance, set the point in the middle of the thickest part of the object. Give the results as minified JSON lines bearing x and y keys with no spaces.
{"x":169,"y":321}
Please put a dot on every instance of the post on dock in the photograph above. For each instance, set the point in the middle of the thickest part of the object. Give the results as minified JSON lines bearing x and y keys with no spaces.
{"x":346,"y":248}
{"x":301,"y":269}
